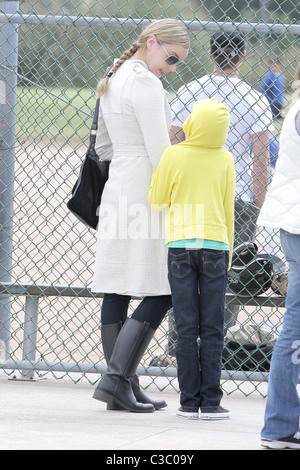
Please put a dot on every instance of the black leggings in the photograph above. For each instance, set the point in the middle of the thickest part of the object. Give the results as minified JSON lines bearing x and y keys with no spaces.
{"x":151,"y":309}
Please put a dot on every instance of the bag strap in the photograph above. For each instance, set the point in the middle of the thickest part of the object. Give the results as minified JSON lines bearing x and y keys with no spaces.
{"x":96,"y":112}
{"x":95,"y":118}
{"x":94,"y":127}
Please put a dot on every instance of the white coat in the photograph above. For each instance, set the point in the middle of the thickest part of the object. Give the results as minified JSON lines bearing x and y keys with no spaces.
{"x":281,"y":208}
{"x":133,"y":129}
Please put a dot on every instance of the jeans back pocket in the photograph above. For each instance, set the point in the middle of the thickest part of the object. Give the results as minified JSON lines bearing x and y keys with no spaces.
{"x":215,"y":262}
{"x":179,"y":262}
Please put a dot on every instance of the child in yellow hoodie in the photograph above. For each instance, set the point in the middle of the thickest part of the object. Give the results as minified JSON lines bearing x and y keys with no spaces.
{"x":195,"y":184}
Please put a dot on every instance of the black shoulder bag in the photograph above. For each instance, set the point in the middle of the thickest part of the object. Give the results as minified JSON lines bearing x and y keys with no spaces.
{"x":87,"y":192}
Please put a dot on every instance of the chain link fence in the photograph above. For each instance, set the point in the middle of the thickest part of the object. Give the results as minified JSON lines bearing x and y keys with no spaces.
{"x":52,"y":56}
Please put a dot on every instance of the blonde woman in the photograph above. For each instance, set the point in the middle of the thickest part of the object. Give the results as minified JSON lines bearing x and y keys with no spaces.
{"x":281,"y":210}
{"x":131,"y":259}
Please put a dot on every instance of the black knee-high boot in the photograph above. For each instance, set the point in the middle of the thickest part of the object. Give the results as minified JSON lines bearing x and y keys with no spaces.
{"x":109,"y":334}
{"x":115,"y":385}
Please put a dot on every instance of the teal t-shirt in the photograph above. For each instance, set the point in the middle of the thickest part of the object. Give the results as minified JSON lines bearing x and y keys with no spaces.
{"x":198,"y":243}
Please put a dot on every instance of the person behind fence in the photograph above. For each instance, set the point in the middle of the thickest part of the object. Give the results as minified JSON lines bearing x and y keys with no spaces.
{"x":250,"y":126}
{"x":195,"y":180}
{"x":131,"y":259}
{"x":282,"y":210}
{"x":273,"y":88}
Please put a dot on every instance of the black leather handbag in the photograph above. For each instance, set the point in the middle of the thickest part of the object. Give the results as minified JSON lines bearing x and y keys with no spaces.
{"x":87,"y":191}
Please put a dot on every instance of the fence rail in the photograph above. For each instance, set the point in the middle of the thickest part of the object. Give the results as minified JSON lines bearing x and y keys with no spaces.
{"x":29,"y":365}
{"x":97,"y":22}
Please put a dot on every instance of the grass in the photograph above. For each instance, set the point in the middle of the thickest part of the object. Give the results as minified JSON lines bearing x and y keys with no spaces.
{"x":59,"y":113}
{"x":54,"y":114}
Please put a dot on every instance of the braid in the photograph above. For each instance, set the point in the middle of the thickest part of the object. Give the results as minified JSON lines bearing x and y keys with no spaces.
{"x":103,"y":83}
{"x":166,"y":29}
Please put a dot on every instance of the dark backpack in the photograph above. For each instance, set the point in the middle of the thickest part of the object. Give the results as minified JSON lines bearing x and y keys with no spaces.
{"x":247,"y":356}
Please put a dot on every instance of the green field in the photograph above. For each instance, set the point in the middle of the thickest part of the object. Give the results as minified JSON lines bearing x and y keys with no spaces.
{"x":60,"y":114}
{"x":54,"y":114}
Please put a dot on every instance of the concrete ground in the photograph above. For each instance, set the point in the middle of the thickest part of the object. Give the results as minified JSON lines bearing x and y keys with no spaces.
{"x":51,"y":414}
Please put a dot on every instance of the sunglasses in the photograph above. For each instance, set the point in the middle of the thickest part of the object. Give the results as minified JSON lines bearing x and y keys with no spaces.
{"x":170,"y":59}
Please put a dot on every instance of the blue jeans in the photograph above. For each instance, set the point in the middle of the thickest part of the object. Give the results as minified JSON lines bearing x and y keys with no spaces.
{"x":198,"y":282}
{"x":283,"y":408}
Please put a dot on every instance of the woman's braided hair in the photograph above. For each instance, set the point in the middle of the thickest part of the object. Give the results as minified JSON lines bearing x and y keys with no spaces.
{"x":103,"y":84}
{"x":166,"y":30}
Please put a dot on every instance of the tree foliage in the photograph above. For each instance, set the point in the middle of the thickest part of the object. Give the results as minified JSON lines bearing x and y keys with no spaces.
{"x":78,"y":56}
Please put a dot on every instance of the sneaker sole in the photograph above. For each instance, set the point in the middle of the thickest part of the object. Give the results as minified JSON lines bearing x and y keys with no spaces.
{"x":279,"y":445}
{"x":214,"y":417}
{"x":190,"y":417}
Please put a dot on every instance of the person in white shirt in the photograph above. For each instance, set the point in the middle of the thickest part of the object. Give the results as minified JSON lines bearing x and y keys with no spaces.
{"x":248,"y":136}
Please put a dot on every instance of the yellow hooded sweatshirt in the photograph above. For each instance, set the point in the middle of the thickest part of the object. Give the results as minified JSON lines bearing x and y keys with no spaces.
{"x":195,"y":179}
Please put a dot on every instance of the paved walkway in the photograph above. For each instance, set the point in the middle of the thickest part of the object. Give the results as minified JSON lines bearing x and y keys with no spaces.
{"x":59,"y":414}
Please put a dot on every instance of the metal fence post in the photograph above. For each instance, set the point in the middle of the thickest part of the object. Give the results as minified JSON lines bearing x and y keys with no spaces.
{"x":30,"y":332}
{"x":8,"y":99}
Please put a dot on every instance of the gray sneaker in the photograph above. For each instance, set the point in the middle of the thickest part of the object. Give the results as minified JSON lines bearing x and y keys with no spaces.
{"x":219,"y":413}
{"x":289,"y":442}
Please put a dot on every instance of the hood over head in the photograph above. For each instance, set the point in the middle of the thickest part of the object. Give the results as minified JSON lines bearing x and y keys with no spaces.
{"x":207,"y":125}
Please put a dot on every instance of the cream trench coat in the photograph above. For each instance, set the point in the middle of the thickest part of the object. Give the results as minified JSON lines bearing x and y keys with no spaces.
{"x":133,"y":131}
{"x":281,"y":208}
